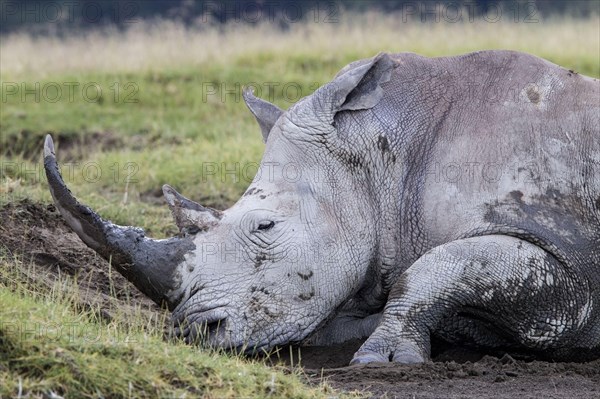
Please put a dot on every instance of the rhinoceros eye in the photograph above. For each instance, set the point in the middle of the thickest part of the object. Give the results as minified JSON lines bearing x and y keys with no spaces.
{"x":265,"y":225}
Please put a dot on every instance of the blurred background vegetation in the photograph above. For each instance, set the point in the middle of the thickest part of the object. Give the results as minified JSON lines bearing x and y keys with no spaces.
{"x":142,"y":93}
{"x":64,"y":15}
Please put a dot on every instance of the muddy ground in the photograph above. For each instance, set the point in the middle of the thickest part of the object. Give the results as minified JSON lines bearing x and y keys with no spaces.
{"x":37,"y":234}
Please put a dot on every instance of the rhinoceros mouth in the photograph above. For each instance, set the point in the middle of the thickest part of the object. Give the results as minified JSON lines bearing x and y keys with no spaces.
{"x":206,"y":327}
{"x":214,"y":329}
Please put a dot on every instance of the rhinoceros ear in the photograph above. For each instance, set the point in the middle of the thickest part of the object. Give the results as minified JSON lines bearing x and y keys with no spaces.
{"x":189,"y":215}
{"x":359,"y":87}
{"x":266,"y":114}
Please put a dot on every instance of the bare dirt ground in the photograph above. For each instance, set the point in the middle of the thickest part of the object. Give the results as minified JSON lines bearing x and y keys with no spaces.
{"x":37,"y":235}
{"x":49,"y":251}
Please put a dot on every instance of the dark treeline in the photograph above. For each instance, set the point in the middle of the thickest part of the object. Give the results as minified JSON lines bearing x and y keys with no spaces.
{"x":43,"y":16}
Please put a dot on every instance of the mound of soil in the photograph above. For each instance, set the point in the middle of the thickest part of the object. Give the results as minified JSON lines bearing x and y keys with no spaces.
{"x":37,"y":235}
{"x":48,"y":250}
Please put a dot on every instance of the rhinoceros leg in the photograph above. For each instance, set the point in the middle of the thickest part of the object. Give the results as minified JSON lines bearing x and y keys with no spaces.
{"x":518,"y":287}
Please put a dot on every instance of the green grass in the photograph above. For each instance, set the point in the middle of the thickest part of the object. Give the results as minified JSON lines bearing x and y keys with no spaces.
{"x":176,"y":131}
{"x":47,"y":347}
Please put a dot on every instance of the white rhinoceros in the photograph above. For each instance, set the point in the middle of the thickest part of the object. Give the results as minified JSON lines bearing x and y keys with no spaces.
{"x":455,"y":196}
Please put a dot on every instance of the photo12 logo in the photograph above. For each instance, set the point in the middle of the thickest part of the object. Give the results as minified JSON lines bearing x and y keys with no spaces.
{"x":30,"y":331}
{"x":470,"y":11}
{"x":71,"y":11}
{"x":70,"y":92}
{"x":290,"y":92}
{"x":88,"y":172}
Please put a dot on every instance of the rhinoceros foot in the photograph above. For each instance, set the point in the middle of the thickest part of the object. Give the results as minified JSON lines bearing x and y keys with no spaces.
{"x":364,"y":357}
{"x":404,"y":353}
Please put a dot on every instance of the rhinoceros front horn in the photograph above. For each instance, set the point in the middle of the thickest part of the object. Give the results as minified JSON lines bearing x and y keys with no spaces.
{"x":151,"y":265}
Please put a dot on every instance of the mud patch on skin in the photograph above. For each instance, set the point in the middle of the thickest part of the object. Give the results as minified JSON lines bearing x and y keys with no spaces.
{"x":533,"y":94}
{"x":307,"y":296}
{"x":384,"y":146}
{"x":382,"y":143}
{"x":259,"y":260}
{"x":252,"y":191}
{"x":306,"y":276}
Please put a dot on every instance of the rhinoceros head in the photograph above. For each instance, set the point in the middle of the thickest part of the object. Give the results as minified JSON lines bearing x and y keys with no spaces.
{"x":279,"y":262}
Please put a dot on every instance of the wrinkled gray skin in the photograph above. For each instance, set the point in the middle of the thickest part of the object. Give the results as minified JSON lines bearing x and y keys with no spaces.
{"x":409,"y":197}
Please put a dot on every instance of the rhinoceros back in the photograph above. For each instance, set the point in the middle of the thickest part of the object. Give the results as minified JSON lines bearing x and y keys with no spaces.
{"x":493,"y":142}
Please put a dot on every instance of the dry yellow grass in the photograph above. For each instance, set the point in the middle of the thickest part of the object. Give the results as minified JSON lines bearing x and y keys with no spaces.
{"x":164,"y":45}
